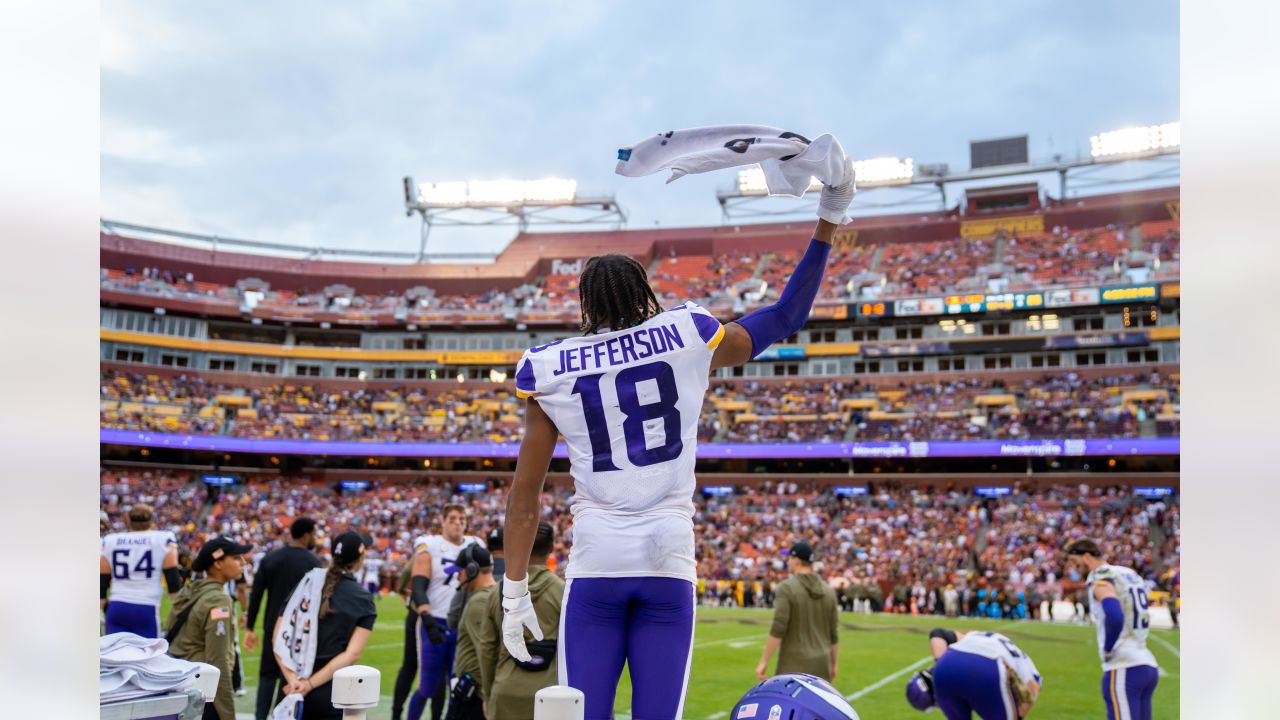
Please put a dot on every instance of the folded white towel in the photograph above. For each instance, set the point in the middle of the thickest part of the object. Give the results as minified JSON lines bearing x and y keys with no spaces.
{"x":788,"y":159}
{"x":131,"y":666}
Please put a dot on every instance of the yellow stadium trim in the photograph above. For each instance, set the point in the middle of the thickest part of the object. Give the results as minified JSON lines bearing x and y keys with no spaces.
{"x":450,"y":357}
{"x":715,"y":340}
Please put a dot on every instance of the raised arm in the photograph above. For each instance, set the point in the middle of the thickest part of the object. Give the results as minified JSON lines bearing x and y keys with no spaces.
{"x":749,"y":335}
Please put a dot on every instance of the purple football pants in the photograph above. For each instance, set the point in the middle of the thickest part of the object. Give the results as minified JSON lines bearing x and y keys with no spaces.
{"x":965,"y":684}
{"x":646,"y":622}
{"x":141,"y":620}
{"x":1127,"y":692}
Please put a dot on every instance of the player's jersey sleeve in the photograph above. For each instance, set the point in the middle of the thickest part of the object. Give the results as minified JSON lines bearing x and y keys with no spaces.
{"x":526,"y":380}
{"x":709,"y":328}
{"x":421,"y":543}
{"x":1104,"y":573}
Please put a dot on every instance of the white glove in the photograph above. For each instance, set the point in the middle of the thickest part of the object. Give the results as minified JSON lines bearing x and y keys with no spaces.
{"x":833,"y":204}
{"x":518,"y":615}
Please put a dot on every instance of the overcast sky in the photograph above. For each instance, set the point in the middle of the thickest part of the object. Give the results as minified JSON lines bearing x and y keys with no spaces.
{"x":295,"y":121}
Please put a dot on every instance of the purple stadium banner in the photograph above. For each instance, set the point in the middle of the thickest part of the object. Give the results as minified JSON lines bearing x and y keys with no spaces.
{"x":708,"y":451}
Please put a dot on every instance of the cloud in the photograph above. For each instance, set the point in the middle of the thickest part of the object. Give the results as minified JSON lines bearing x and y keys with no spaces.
{"x":301,"y":118}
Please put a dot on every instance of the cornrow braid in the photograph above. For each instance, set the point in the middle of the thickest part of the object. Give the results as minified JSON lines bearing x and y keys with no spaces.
{"x":615,"y":293}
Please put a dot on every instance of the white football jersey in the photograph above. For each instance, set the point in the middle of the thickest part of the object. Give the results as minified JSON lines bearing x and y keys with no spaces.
{"x":627,"y":403}
{"x":998,"y":647}
{"x":372,"y":571}
{"x":1131,"y":649}
{"x":136,"y":560}
{"x":442,"y":587}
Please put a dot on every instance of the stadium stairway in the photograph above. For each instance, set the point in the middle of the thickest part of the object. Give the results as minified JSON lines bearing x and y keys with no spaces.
{"x":876,"y":256}
{"x":765,"y":260}
{"x":997,"y":255}
{"x":1158,"y":541}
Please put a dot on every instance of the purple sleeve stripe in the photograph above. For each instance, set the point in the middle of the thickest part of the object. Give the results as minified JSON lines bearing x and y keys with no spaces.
{"x":707,"y":326}
{"x":524,"y":376}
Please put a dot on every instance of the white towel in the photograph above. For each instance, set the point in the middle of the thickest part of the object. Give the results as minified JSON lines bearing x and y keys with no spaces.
{"x":131,"y":666}
{"x":788,"y":159}
{"x":295,"y":639}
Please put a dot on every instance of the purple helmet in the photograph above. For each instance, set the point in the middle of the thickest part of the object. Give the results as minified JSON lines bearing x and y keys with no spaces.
{"x":920,"y":690}
{"x":793,"y":696}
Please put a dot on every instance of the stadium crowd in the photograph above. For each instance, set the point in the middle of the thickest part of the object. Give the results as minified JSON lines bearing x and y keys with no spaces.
{"x":1055,"y":257}
{"x":898,"y":548}
{"x":1057,"y":405}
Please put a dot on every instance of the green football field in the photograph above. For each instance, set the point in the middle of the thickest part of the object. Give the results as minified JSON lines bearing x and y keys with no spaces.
{"x":878,"y":653}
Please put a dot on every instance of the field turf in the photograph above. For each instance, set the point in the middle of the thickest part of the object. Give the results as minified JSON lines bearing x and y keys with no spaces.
{"x":877,"y":655}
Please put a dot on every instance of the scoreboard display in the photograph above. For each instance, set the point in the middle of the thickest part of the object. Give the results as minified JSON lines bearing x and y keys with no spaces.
{"x":872,"y":309}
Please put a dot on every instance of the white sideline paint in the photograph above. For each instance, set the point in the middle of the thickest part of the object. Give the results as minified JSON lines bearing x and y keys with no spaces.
{"x":887,"y":679}
{"x":891,"y":677}
{"x":1167,"y":645}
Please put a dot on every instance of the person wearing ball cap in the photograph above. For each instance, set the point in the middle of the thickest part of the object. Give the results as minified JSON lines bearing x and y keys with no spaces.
{"x":806,"y":623}
{"x":345,"y":622}
{"x":200,"y":623}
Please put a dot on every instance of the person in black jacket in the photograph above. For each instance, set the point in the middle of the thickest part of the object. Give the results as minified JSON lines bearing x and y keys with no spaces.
{"x":278,"y":574}
{"x":344,"y":623}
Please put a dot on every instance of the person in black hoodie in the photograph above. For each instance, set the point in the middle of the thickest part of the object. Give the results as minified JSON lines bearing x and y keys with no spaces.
{"x":277,"y":575}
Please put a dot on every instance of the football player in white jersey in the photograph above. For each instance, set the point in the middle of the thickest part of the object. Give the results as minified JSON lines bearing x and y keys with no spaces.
{"x":626,"y":396}
{"x":976,"y":672}
{"x":431,"y":593}
{"x":1118,"y":603}
{"x":131,"y":569}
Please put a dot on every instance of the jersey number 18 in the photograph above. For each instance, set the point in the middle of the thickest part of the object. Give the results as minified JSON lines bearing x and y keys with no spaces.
{"x":636,"y":414}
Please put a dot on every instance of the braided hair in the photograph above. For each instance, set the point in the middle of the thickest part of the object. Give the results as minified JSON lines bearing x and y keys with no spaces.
{"x":331,"y":578}
{"x":615,"y":293}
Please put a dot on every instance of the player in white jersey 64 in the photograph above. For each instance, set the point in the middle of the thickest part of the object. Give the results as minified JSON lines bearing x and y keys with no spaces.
{"x":432,"y":591}
{"x":626,"y":396}
{"x":1118,"y":603}
{"x":133,"y":568}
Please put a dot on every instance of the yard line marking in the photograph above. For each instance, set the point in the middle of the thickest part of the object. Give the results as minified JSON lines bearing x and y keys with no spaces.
{"x":1168,"y":646}
{"x":739,"y":644}
{"x":887,"y":679}
{"x":730,"y":641}
{"x":890,"y":678}
{"x":715,"y":716}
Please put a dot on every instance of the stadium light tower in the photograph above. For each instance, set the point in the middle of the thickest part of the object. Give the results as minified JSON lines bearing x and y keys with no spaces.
{"x":550,"y":201}
{"x":1153,"y":150}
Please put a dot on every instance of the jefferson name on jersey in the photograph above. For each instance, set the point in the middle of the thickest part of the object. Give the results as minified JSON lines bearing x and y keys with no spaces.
{"x":639,"y":344}
{"x":627,"y":403}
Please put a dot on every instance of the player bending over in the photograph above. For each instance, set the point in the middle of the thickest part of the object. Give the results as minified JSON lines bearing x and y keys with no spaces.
{"x":132,"y":567}
{"x":1118,"y":604}
{"x":626,"y":396}
{"x":976,"y":672}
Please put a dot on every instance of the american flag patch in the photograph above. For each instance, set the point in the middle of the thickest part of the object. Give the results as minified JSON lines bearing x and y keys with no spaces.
{"x":220,"y":613}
